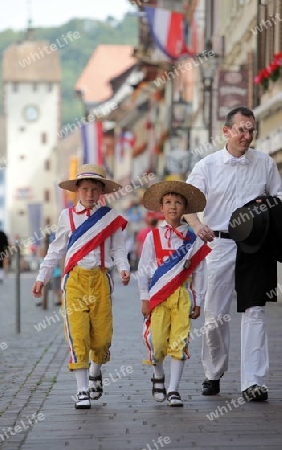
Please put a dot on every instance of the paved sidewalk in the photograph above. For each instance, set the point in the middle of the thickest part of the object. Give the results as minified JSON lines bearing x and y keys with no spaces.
{"x":35,"y":384}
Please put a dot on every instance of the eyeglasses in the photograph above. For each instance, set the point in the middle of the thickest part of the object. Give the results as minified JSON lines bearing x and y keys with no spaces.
{"x":242,"y":131}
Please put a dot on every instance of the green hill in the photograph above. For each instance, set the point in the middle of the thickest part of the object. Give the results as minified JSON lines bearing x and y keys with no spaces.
{"x":75,"y":56}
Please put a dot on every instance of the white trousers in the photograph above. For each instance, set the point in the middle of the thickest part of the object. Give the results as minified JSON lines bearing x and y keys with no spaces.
{"x":254,"y":347}
{"x":221,"y":281}
{"x":215,"y":343}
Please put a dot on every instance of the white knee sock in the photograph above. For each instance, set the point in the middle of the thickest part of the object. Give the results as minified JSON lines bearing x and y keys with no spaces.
{"x":159,"y":370}
{"x":94,"y":369}
{"x":159,"y":373}
{"x":81,"y":379}
{"x":176,"y":370}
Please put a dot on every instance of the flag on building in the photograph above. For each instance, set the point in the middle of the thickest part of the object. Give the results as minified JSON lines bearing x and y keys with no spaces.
{"x":91,"y":134}
{"x":168,"y":31}
{"x":73,"y":166}
{"x":126,"y":141}
{"x":35,"y":218}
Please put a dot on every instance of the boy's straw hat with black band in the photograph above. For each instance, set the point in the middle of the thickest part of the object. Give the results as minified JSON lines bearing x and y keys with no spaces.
{"x":154,"y":194}
{"x":95,"y":173}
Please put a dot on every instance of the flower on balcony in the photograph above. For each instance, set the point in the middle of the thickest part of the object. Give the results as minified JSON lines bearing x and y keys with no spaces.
{"x":272,"y":72}
{"x":262,"y":78}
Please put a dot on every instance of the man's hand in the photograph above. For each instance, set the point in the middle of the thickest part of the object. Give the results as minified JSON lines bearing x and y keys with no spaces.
{"x":125,"y":277}
{"x":201,"y":230}
{"x":37,"y":289}
{"x":145,"y":309}
{"x":196,"y":312}
{"x":204,"y":232}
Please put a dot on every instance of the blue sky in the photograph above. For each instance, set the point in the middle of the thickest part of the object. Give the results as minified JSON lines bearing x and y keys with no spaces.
{"x":46,"y":13}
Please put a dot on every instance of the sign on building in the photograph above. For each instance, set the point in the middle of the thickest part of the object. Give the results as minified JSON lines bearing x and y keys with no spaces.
{"x":232,"y":91}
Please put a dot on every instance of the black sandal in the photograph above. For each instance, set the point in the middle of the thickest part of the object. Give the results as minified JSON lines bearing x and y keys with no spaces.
{"x":96,"y":391}
{"x":157,"y":390}
{"x":174,"y":399}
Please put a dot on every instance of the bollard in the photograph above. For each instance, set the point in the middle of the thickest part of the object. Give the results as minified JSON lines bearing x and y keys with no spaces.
{"x":18,"y":288}
{"x":46,"y":288}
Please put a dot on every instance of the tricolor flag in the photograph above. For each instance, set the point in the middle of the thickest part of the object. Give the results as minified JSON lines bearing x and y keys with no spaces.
{"x":126,"y":141}
{"x":73,"y":166}
{"x":91,"y":134}
{"x":168,"y":31}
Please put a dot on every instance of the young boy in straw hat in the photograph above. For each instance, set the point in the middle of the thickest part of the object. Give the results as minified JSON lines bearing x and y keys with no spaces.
{"x":172,"y":282}
{"x":90,"y":237}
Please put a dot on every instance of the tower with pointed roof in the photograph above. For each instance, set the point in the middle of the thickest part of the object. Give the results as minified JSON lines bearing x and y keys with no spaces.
{"x":31,"y":93}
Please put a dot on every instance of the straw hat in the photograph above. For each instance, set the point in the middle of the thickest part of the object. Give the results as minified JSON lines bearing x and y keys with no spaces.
{"x":95,"y":173}
{"x":154,"y":194}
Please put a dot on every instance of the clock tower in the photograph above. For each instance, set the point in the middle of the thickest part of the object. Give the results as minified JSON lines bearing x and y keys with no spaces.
{"x":31,"y":93}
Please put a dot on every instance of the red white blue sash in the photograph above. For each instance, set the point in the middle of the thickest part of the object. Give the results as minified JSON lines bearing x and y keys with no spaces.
{"x":171,"y":274}
{"x":91,"y":233}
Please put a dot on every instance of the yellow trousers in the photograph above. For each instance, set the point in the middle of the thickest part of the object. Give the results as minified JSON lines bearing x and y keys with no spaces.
{"x":166,"y":332}
{"x":87,"y":310}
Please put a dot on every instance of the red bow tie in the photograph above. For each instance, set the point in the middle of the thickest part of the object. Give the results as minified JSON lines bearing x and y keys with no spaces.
{"x":168,"y":232}
{"x":85,"y":210}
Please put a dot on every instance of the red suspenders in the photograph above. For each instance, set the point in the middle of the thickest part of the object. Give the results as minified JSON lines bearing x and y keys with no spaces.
{"x":161,"y":253}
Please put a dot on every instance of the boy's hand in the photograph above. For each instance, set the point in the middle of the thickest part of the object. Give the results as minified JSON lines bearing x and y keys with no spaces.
{"x":37,"y":289}
{"x":125,"y":277}
{"x":145,"y":308}
{"x":196,"y":312}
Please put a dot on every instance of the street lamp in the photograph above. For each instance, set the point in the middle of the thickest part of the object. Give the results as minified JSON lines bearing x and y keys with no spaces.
{"x":181,"y":116}
{"x":177,"y":156}
{"x":208,"y":61}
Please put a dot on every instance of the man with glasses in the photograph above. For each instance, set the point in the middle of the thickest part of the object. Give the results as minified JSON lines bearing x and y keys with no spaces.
{"x":230,"y":178}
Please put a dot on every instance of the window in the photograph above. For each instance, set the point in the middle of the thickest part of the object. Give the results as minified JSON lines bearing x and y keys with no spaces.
{"x":15,"y":87}
{"x":23,"y":193}
{"x":47,"y":165}
{"x":46,"y":195}
{"x":47,"y":221}
{"x":43,"y":138}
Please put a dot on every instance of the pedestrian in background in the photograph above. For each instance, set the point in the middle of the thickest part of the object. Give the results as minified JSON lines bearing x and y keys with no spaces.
{"x":55,"y":284}
{"x":141,"y":235}
{"x":4,"y":243}
{"x":172,"y":261}
{"x":90,"y":237}
{"x":230,"y":178}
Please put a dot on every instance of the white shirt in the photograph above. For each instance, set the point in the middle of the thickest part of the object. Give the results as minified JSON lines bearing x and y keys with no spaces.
{"x":115,"y":251}
{"x":148,"y":264}
{"x":228,"y":187}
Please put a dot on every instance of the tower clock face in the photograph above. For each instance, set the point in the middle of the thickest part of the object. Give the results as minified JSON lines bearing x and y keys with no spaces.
{"x":31,"y":113}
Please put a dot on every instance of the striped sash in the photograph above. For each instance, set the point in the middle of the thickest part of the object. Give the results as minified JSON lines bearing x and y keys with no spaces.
{"x":171,"y":274}
{"x":91,"y":233}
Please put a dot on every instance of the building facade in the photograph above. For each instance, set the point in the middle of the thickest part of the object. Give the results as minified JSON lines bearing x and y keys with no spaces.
{"x":31,"y":94}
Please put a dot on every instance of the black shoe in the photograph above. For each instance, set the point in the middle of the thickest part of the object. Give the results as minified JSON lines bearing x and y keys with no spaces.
{"x":210,"y":387}
{"x":82,"y":400}
{"x":255,"y":393}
